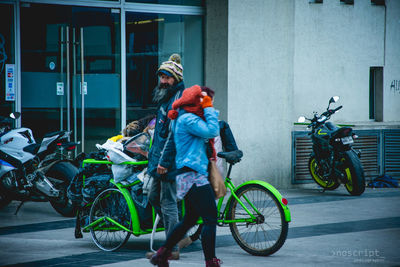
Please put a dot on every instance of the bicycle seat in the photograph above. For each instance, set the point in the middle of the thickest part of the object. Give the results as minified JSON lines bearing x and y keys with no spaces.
{"x":231,"y":157}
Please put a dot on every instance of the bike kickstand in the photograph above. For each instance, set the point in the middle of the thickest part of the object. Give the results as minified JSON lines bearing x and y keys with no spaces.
{"x":19,"y":206}
{"x":78,"y":230}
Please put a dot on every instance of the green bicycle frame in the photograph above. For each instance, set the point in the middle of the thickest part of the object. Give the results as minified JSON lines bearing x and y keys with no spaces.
{"x":137,"y":231}
{"x":229,"y":184}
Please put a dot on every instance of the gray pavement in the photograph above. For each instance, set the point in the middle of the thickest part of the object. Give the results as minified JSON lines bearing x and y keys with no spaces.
{"x":327,"y":229}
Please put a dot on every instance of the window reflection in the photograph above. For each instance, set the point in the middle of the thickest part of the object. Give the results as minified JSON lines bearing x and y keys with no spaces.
{"x":6,"y":54}
{"x":150,"y":40}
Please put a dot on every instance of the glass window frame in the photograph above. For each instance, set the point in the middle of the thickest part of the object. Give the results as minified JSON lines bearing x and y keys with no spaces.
{"x":123,"y":7}
{"x":146,"y":8}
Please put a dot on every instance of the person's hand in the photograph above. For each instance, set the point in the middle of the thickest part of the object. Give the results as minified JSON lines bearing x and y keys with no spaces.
{"x":207,"y":102}
{"x":161,"y":169}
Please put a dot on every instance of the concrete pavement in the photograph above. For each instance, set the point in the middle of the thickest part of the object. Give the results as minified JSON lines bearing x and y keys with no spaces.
{"x":327,"y":229}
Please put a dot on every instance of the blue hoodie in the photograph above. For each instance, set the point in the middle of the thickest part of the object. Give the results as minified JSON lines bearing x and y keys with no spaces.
{"x":190,"y":135}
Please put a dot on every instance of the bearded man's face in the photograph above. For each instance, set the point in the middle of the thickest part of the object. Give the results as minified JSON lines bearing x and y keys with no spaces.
{"x":165,"y":89}
{"x":166,"y":80}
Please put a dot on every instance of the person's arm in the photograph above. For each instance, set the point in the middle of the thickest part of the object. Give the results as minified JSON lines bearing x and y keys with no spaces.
{"x":167,"y":155}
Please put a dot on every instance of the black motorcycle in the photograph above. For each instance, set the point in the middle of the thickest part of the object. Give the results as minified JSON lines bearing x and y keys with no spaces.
{"x":31,"y":171}
{"x":333,"y":160}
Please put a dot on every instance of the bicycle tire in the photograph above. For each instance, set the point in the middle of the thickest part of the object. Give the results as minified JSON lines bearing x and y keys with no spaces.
{"x":107,"y":235}
{"x":255,"y":238}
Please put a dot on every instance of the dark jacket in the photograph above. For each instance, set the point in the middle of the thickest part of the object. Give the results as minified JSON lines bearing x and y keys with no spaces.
{"x":163,"y":151}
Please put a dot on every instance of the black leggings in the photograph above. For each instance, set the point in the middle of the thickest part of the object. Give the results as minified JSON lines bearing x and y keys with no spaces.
{"x":199,"y":202}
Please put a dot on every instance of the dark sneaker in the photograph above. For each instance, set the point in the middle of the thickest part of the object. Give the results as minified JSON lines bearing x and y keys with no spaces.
{"x":174,"y":255}
{"x":213,"y":263}
{"x":161,"y":257}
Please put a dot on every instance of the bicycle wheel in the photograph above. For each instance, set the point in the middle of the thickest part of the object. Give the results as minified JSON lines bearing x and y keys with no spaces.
{"x":265,"y":235}
{"x":108,"y":212}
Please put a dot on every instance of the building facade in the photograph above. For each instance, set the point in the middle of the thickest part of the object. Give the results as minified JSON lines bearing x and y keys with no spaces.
{"x":278,"y":60}
{"x":269,"y":62}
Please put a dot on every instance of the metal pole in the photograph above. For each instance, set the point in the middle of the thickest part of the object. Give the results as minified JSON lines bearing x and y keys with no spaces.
{"x":123,"y":67}
{"x":68,"y":86}
{"x":83,"y":94}
{"x":17,"y":35}
{"x":75,"y":93}
{"x":61,"y":74}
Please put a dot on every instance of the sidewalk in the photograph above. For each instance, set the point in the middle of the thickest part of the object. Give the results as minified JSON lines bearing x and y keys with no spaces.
{"x":327,"y":229}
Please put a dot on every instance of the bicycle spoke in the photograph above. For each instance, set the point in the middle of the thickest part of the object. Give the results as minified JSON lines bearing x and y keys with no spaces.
{"x":110,"y":204}
{"x":265,"y":234}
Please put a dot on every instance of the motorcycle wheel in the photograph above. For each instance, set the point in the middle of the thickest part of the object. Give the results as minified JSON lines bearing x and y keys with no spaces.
{"x":4,"y":200}
{"x":64,"y":171}
{"x":354,"y":173}
{"x":313,"y":167}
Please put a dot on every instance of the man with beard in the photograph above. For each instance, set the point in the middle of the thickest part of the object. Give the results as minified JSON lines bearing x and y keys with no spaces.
{"x":161,"y":167}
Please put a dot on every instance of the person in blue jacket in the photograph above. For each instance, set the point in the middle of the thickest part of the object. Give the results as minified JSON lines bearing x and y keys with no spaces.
{"x":194,"y":124}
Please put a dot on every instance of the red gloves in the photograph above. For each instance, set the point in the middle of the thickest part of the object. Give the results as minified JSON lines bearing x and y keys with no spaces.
{"x":207,"y":102}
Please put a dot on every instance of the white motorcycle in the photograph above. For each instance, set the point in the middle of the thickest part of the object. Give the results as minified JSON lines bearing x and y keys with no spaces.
{"x":35,"y":172}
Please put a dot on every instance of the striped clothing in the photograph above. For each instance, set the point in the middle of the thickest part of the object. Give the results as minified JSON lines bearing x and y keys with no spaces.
{"x":186,"y":180}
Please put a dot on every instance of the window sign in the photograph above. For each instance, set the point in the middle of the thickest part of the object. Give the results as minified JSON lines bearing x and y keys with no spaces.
{"x":52,"y":65}
{"x":84,"y":88}
{"x":60,"y":88}
{"x":10,"y":82}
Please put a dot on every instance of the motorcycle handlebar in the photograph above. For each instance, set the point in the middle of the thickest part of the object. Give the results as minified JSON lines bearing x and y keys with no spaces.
{"x":331,"y":111}
{"x":315,"y":121}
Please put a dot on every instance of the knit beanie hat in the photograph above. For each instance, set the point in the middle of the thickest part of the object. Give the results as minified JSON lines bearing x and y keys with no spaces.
{"x":189,"y":101}
{"x":172,"y":67}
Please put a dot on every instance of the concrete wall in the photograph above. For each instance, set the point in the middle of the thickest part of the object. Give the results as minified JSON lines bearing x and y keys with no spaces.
{"x":391,"y":70}
{"x":260,"y":87}
{"x":286,"y":58}
{"x":335,"y":46}
{"x":216,"y":52}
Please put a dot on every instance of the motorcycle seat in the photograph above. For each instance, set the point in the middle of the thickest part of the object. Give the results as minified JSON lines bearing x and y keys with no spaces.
{"x":231,"y":157}
{"x":341,"y":132}
{"x":331,"y":126}
{"x":33,"y":148}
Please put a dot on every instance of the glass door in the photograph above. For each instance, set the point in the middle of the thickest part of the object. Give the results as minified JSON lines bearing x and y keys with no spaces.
{"x":7,"y":60}
{"x":59,"y":50}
